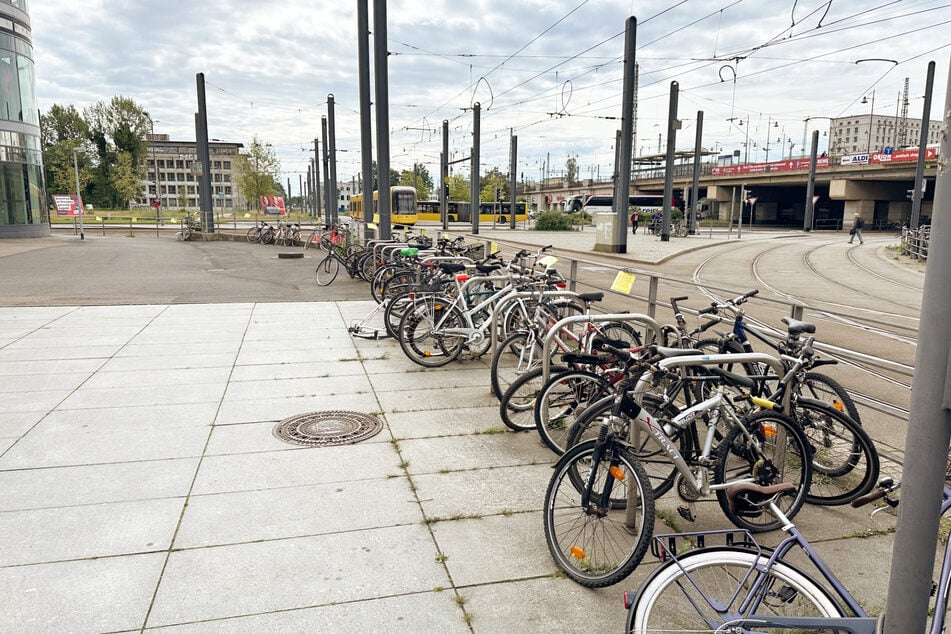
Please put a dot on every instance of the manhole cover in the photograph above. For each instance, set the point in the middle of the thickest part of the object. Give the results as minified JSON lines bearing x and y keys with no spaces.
{"x":324,"y":429}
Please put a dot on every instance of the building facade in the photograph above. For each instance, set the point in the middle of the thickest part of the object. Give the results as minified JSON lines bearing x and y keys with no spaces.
{"x":23,"y":209}
{"x":178,"y":169}
{"x":851,"y":135}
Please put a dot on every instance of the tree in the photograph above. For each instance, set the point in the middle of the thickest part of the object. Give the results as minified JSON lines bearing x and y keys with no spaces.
{"x":492,"y":180}
{"x":126,"y":178}
{"x":258,"y":172}
{"x":116,"y":127}
{"x":571,"y":170}
{"x":394,"y":177}
{"x":458,"y":187}
{"x":64,"y":129}
{"x":182,"y":198}
{"x":423,"y":182}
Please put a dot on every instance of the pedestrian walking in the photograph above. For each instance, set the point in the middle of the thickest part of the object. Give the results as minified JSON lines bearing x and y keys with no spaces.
{"x":856,"y":230}
{"x":635,"y":216}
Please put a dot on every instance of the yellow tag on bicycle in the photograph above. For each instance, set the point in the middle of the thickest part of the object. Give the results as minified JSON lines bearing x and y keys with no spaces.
{"x":493,"y":248}
{"x":623,"y":281}
{"x":548,"y":260}
{"x":371,"y":225}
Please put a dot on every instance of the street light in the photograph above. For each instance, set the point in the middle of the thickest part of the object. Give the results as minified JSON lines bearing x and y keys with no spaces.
{"x":768,"y":132}
{"x":871,"y":113}
{"x":79,"y":205}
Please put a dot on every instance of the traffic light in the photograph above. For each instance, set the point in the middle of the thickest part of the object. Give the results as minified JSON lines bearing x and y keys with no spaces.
{"x":910,"y":194}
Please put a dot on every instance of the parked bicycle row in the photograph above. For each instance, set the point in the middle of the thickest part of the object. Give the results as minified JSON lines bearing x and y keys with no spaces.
{"x":635,"y":409}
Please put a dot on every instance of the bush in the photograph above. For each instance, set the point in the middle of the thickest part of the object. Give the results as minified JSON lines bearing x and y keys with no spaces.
{"x":553,"y":221}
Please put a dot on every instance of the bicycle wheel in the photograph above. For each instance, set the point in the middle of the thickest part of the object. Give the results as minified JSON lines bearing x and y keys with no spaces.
{"x":393,"y":313}
{"x":254,"y":235}
{"x":517,"y":405}
{"x":596,"y":544}
{"x":845,"y":463}
{"x":824,"y":388}
{"x":517,"y":354}
{"x":704,"y":589}
{"x":327,"y":270}
{"x":772,"y":452}
{"x":421,"y":336}
{"x":656,"y":461}
{"x":560,"y":402}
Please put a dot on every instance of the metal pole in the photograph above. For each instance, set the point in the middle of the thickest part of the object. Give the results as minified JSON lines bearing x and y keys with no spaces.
{"x":922,"y":146}
{"x":201,"y":130}
{"x":300,"y":187}
{"x":474,"y":177}
{"x":444,"y":176}
{"x":513,"y":206}
{"x":695,"y":187}
{"x":334,"y":195}
{"x":624,"y":154}
{"x":672,"y":126}
{"x":329,"y":217}
{"x":366,"y":132}
{"x":739,"y":224}
{"x":929,"y":423}
{"x":317,"y":201}
{"x":382,"y":116}
{"x":811,"y":186}
{"x":79,"y":198}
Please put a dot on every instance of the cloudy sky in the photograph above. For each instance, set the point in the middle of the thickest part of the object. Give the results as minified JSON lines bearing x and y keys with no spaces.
{"x":548,"y":70}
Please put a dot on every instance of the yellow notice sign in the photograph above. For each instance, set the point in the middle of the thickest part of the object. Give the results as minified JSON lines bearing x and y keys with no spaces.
{"x":493,"y":248}
{"x":547,"y":261}
{"x":247,"y":215}
{"x":98,"y":219}
{"x":371,"y":225}
{"x":623,"y":281}
{"x":134,"y":219}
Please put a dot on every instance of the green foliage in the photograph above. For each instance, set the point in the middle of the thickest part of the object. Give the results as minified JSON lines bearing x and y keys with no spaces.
{"x":553,"y":221}
{"x":571,"y":169}
{"x":423,"y":182}
{"x":489,"y":182}
{"x":182,"y":198}
{"x":64,"y":129}
{"x":458,"y":187}
{"x":258,"y":172}
{"x":126,"y":178}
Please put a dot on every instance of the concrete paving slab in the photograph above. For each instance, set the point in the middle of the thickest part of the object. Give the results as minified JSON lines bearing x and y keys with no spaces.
{"x":169,"y":361}
{"x":139,"y":396}
{"x":82,"y":532}
{"x":32,"y":401}
{"x":302,"y":370}
{"x":95,"y":484}
{"x":245,"y":438}
{"x":311,"y":465}
{"x":263,"y":409}
{"x":209,"y":583}
{"x":130,"y":418}
{"x":407,"y":614}
{"x":42,"y":382}
{"x":296,"y":356}
{"x":494,"y":548}
{"x":50,"y":366}
{"x":444,"y":422}
{"x":298,"y":387}
{"x":107,"y":379}
{"x":110,"y":594}
{"x":492,"y":491}
{"x":15,"y":424}
{"x":40,"y":449}
{"x":71,"y":352}
{"x":192,"y":343}
{"x":456,"y":453}
{"x":231,"y":518}
{"x":434,"y":397}
{"x":449,"y":377}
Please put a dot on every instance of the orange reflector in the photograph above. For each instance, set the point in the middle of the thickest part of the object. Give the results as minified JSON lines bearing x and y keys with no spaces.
{"x":437,"y":307}
{"x":769,"y":430}
{"x":617,"y":473}
{"x":426,"y":353}
{"x":462,"y":277}
{"x":838,"y":405}
{"x":577,"y":552}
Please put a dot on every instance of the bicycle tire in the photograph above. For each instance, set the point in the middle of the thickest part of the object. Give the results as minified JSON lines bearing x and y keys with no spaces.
{"x":560,"y":402}
{"x":845,"y":463}
{"x":253,"y":235}
{"x":393,"y":313}
{"x":598,"y":549}
{"x":512,"y":358}
{"x":419,"y":337}
{"x":677,"y":596}
{"x":517,"y":405}
{"x":657,"y":463}
{"x":822,"y":387}
{"x":775,"y":452}
{"x":327,"y":270}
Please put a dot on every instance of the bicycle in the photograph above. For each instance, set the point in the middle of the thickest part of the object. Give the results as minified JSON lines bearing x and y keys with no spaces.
{"x":742,"y":587}
{"x":597,"y":544}
{"x":328,"y":268}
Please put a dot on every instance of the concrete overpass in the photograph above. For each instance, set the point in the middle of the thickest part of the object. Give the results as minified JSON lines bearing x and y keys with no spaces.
{"x":877,"y":190}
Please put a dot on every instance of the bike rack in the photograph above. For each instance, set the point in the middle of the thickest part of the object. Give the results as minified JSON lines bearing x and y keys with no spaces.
{"x":510,"y":299}
{"x":646,"y":320}
{"x":731,"y":358}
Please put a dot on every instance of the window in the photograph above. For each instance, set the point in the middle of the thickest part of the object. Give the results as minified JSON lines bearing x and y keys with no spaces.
{"x":216,"y":165}
{"x":227,"y":165}
{"x":9,"y":87}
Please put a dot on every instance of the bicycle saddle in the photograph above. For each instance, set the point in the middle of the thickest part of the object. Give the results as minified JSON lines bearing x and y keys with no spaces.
{"x":750,"y":500}
{"x":797,"y":327}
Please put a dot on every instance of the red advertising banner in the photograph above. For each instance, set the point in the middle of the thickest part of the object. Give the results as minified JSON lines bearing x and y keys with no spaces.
{"x":273,"y":205}
{"x":68,"y":205}
{"x":901,"y":156}
{"x":773,"y":166}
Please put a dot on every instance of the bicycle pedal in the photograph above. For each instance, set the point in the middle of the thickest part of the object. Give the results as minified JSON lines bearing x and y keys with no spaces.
{"x":685,"y":512}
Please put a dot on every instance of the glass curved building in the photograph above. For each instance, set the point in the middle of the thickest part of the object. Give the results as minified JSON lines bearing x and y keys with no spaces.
{"x":23,"y":210}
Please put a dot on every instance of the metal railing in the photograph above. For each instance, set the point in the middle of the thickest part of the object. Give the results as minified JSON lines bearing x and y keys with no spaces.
{"x":914,"y":242}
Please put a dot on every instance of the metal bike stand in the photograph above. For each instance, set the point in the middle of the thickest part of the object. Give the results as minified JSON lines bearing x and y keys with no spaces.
{"x":511,"y":298}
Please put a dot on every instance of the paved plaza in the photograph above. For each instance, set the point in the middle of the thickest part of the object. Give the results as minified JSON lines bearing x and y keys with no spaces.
{"x":141,"y":486}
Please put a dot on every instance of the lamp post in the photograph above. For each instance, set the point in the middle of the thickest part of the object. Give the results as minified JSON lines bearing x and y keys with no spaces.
{"x":746,"y":145}
{"x":768,"y":132}
{"x":79,"y":206}
{"x":871,"y":114}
